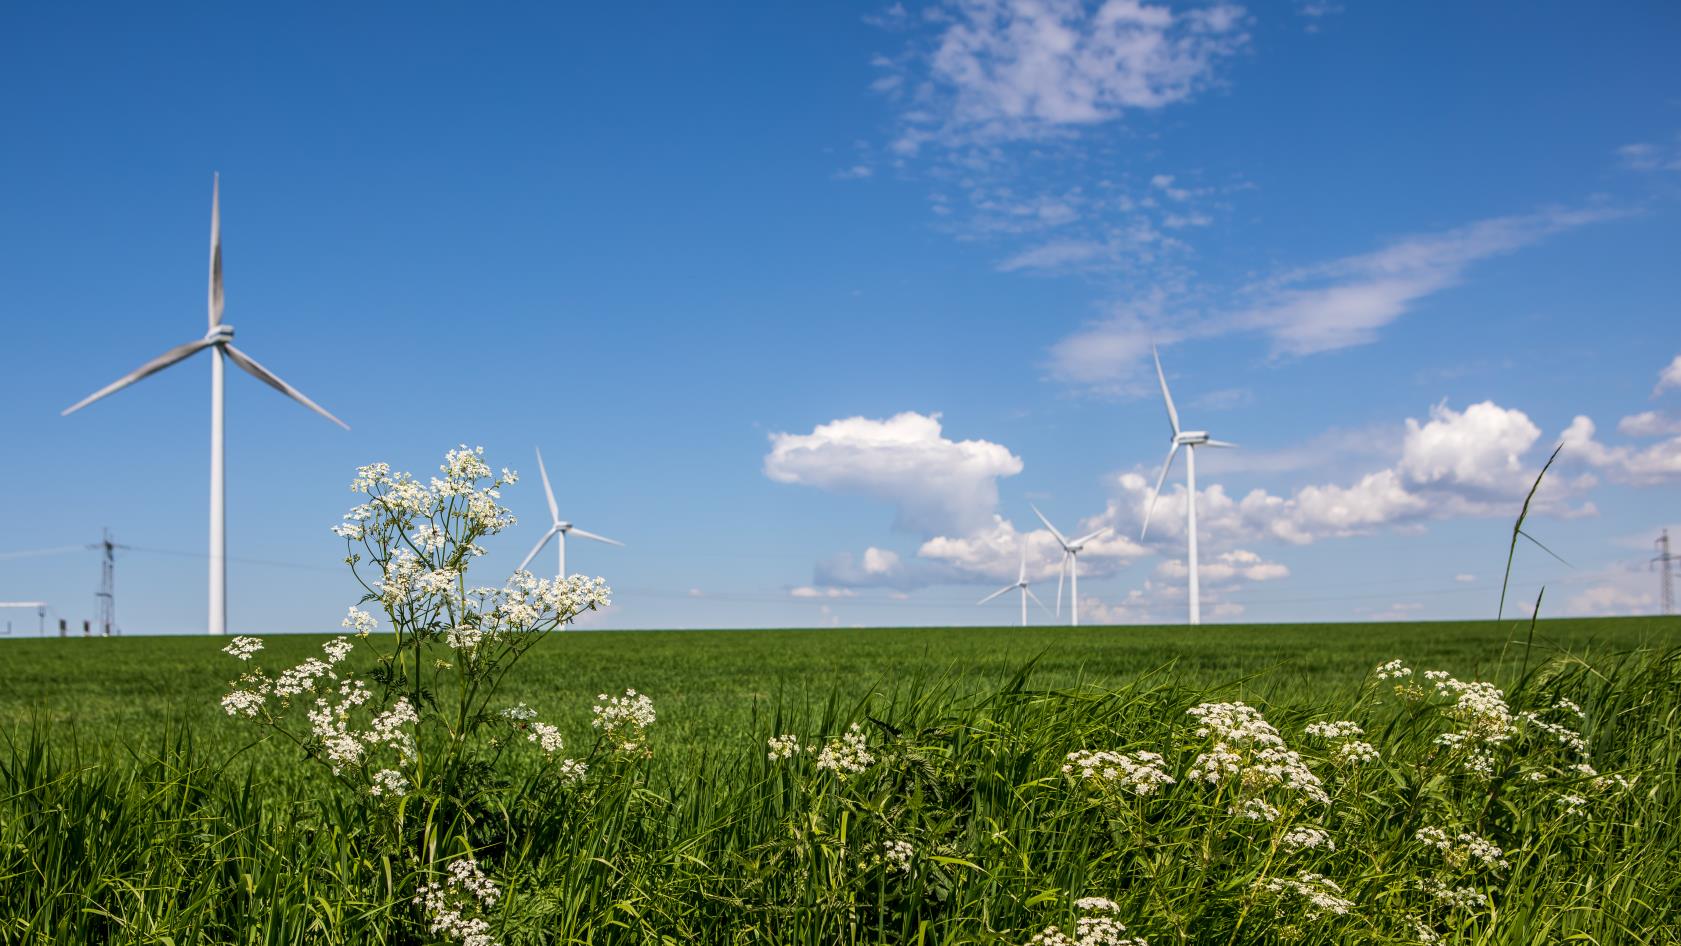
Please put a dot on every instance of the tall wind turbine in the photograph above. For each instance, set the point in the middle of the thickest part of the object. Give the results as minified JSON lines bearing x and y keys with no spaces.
{"x":1190,"y":440}
{"x":219,"y":339}
{"x":1070,"y":564}
{"x":1026,"y":592}
{"x":559,"y":529}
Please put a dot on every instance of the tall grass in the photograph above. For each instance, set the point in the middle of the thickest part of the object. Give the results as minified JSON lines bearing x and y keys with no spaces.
{"x":175,"y":843}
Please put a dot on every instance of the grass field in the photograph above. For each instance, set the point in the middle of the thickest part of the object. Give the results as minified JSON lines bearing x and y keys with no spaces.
{"x":135,"y":810}
{"x":709,"y":684}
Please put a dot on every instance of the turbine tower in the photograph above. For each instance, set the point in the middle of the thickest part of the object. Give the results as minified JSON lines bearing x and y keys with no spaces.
{"x":559,"y":529}
{"x":219,"y":339}
{"x":1020,"y":583}
{"x":1070,"y":564}
{"x":1190,"y":440}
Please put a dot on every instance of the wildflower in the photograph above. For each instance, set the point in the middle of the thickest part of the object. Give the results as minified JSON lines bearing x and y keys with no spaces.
{"x":243,"y":702}
{"x":783,"y":747}
{"x":1141,"y":774}
{"x":1573,"y":804}
{"x":571,"y":771}
{"x":359,"y":621}
{"x":301,"y":678}
{"x":1254,"y":809}
{"x":1095,"y":928}
{"x":445,"y":905}
{"x":519,"y":713}
{"x":243,"y":648}
{"x":1463,"y":850}
{"x":1097,"y":905}
{"x":1334,"y":731}
{"x":389,"y":782}
{"x":1307,"y":837}
{"x":1394,"y":670}
{"x":337,"y":649}
{"x":847,"y":755}
{"x":546,"y":736}
{"x":897,"y":855}
{"x":1356,"y":753}
{"x":624,"y":720}
{"x":1319,"y":894}
{"x":1454,"y":898}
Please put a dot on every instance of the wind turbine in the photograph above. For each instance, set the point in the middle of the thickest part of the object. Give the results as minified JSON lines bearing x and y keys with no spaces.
{"x":1190,"y":440}
{"x":1070,"y":564}
{"x":559,"y":529}
{"x":219,"y":339}
{"x":1026,"y":592}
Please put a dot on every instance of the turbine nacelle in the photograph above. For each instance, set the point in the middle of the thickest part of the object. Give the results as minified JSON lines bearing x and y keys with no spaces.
{"x":220,"y":335}
{"x":1190,"y":438}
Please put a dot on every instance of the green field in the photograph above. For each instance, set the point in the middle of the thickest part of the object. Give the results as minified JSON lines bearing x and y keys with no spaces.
{"x":135,"y":810}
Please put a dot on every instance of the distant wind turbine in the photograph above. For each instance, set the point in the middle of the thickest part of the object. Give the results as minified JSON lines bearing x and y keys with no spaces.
{"x":1190,"y":440}
{"x":219,"y":339}
{"x":1026,"y":592}
{"x":1070,"y":564}
{"x":559,"y":528}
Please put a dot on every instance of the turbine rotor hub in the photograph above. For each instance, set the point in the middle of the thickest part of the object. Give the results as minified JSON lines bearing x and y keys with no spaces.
{"x":220,"y":335}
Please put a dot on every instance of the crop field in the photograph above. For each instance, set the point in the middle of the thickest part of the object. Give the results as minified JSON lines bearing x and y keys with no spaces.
{"x":1002,"y":786}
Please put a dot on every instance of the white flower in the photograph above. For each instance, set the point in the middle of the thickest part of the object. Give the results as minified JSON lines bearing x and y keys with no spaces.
{"x":1307,"y":837}
{"x":243,"y":648}
{"x":465,"y":888}
{"x":546,"y":736}
{"x":359,"y":621}
{"x":571,"y":771}
{"x":1337,"y":731}
{"x":1096,"y":905}
{"x":847,"y":755}
{"x":1356,"y":753}
{"x":897,"y":855}
{"x":301,"y":678}
{"x":783,"y":747}
{"x":624,"y":720}
{"x":519,"y":713}
{"x":337,"y":649}
{"x":389,"y":782}
{"x":1143,"y":773}
{"x":1394,"y":670}
{"x":1096,"y":928}
{"x":243,"y":702}
{"x":1318,"y":893}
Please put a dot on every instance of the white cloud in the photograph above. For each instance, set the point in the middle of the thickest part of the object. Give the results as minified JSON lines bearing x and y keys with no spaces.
{"x":995,"y":553}
{"x":1456,"y":463}
{"x":1669,"y":377}
{"x":1648,"y":466}
{"x":1645,"y":156}
{"x":880,"y":561}
{"x":1225,"y":567}
{"x":1465,"y":578}
{"x":1337,"y":304}
{"x":856,"y":172}
{"x":1002,"y":70}
{"x":937,"y":485}
{"x":808,"y":591}
{"x":1649,"y":424}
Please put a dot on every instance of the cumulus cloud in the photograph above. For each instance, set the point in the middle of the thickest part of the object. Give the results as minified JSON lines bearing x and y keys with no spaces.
{"x":995,"y":553}
{"x":1638,"y":466}
{"x":1669,"y":377}
{"x":937,"y":485}
{"x":1225,"y":567}
{"x":1455,"y":463}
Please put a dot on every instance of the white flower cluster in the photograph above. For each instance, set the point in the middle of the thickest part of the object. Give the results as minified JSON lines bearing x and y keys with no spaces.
{"x":783,"y":747}
{"x":243,"y":648}
{"x":1143,"y":773}
{"x":1343,"y":738}
{"x":360,"y":621}
{"x":897,"y":855}
{"x":1248,"y":748}
{"x":519,"y":713}
{"x":446,"y":905}
{"x":1318,"y":894}
{"x":389,"y":782}
{"x":1464,"y":850}
{"x":1394,"y":670}
{"x":624,"y":720}
{"x":1098,"y":927}
{"x":847,"y":755}
{"x":546,"y":736}
{"x":1454,"y":898}
{"x":1307,"y":837}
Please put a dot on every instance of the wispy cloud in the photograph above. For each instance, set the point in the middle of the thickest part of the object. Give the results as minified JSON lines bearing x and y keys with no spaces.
{"x":1323,"y":307}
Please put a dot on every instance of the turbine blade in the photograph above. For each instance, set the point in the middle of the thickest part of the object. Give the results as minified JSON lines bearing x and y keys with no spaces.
{"x":554,"y":510}
{"x":1036,"y":600}
{"x":996,"y":594}
{"x":1082,"y":540}
{"x":1217,"y":443}
{"x":272,"y":380}
{"x":1059,"y":536}
{"x":599,"y":538}
{"x":1150,"y":509}
{"x":1061,"y":573}
{"x":1167,"y":398}
{"x":537,"y":548}
{"x":152,"y":367}
{"x":216,"y":301}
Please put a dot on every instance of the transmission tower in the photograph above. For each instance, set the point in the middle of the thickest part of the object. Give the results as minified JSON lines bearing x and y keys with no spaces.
{"x":107,"y":594}
{"x":1665,"y":563}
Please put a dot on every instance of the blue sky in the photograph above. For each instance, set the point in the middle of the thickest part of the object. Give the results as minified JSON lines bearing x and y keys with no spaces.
{"x":806,"y":303}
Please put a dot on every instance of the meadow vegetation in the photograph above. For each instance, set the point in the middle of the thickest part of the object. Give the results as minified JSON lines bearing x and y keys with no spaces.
{"x":445,"y":772}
